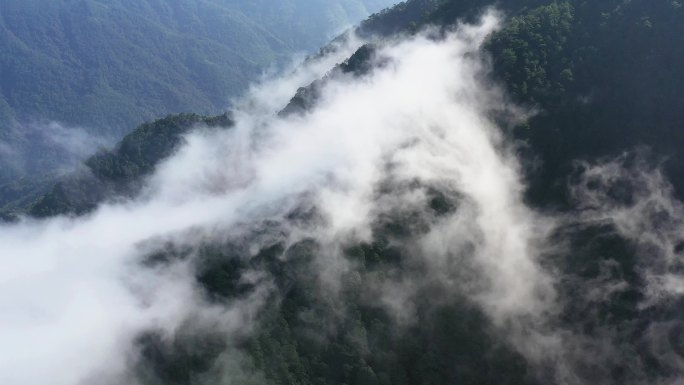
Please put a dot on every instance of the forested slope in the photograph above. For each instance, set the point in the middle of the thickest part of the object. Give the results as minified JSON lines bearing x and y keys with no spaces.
{"x":601,"y":80}
{"x":109,"y":65}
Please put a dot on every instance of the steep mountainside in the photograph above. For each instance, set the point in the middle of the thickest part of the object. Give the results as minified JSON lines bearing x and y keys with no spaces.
{"x":602,"y":86}
{"x":108,"y":65}
{"x":98,"y":68}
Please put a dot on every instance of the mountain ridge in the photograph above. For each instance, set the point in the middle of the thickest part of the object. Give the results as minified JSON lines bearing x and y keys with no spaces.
{"x":99,"y":68}
{"x":610,"y":217}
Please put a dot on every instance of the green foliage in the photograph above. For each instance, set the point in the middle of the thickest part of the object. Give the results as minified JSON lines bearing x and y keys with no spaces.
{"x":308,"y":334}
{"x":531,"y":53}
{"x":604,"y":75}
{"x":407,"y":15}
{"x":359,"y":64}
{"x":110,"y":64}
{"x":120,"y":171}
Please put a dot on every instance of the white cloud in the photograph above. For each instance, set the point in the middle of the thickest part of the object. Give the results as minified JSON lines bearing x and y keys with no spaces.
{"x":73,"y":294}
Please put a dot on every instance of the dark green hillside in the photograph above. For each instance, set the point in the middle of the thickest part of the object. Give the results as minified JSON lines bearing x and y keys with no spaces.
{"x":100,"y":67}
{"x":605,"y":77}
{"x":118,"y":173}
{"x":306,"y":335}
{"x":405,"y":16}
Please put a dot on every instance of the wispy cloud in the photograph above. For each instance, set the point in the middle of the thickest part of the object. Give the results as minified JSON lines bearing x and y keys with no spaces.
{"x":384,"y":148}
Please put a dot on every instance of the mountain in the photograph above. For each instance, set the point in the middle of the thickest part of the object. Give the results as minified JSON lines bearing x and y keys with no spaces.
{"x":546,"y":250}
{"x":98,"y":68}
{"x":108,"y":65}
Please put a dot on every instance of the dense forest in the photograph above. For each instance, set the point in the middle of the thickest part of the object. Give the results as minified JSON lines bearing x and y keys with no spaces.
{"x":604,"y":82}
{"x":97,"y":68}
{"x":110,"y":65}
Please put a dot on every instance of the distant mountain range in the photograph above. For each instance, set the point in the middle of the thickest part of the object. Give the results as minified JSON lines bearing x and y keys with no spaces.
{"x":103,"y":66}
{"x":109,"y":65}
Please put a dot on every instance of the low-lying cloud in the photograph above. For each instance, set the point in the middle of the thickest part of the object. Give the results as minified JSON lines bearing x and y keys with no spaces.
{"x":412,"y":146}
{"x":76,"y":295}
{"x":46,"y":148}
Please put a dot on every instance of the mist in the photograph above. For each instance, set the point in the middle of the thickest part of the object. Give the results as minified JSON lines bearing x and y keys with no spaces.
{"x":413,"y":149}
{"x":39,"y":149}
